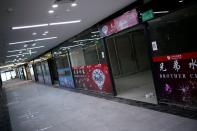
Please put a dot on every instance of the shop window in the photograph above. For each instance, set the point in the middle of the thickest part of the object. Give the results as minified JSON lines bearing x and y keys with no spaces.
{"x":175,"y":33}
{"x":3,"y":77}
{"x":88,"y":63}
{"x":174,"y":49}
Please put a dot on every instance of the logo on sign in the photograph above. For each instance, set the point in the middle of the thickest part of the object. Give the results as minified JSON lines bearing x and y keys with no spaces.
{"x":105,"y":29}
{"x":99,"y":78}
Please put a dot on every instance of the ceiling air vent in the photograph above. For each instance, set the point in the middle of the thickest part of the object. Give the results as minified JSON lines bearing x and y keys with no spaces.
{"x":64,"y":1}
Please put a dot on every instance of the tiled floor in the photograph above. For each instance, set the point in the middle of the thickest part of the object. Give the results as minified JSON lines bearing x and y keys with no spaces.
{"x":35,"y":107}
{"x":137,"y":87}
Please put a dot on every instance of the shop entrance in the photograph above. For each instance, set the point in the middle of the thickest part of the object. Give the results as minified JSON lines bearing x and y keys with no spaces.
{"x":128,"y":53}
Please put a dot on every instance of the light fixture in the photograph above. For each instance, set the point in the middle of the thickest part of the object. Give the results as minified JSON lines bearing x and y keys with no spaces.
{"x":27,"y":49}
{"x":21,"y":54}
{"x":51,"y":11}
{"x":36,"y":47}
{"x":25,"y":45}
{"x":17,"y":56}
{"x":95,"y":32}
{"x":66,"y":22}
{"x":160,"y":12}
{"x":28,"y":41}
{"x":46,"y":32}
{"x":181,"y":1}
{"x":16,"y":50}
{"x":34,"y":33}
{"x":45,"y":39}
{"x":29,"y":26}
{"x":55,"y":5}
{"x":86,"y":40}
{"x":6,"y":66}
{"x":74,"y":4}
{"x":33,"y":44}
{"x":42,"y":25}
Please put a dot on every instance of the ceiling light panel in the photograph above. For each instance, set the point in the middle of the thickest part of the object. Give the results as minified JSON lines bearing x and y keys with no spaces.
{"x":28,"y":41}
{"x":51,"y":11}
{"x":29,"y":26}
{"x":42,"y":25}
{"x":21,"y":54}
{"x":27,"y":49}
{"x":55,"y":5}
{"x":74,"y":4}
{"x":67,"y":22}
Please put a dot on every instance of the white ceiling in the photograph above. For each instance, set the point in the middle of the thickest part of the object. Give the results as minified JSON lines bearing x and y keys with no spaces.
{"x":31,"y":12}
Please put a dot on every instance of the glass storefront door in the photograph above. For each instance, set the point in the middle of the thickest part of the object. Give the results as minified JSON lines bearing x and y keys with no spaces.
{"x":128,"y":54}
{"x":64,"y":71}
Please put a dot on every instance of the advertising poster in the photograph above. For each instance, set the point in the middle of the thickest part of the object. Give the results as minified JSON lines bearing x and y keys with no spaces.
{"x":176,"y":78}
{"x":120,"y":23}
{"x":65,"y":77}
{"x":93,"y":77}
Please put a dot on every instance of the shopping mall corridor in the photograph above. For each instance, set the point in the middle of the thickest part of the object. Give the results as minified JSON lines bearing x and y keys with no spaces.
{"x":36,"y":107}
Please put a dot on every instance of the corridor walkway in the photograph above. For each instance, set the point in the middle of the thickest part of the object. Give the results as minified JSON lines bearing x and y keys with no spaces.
{"x":36,"y":107}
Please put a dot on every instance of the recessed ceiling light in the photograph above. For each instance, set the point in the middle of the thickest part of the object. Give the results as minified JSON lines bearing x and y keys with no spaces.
{"x":20,"y":52}
{"x":51,"y":11}
{"x":29,"y":26}
{"x":46,"y":32}
{"x":55,"y":5}
{"x":17,"y":56}
{"x":34,"y":33}
{"x":25,"y":45}
{"x":28,"y":41}
{"x":74,"y":4}
{"x":66,"y":22}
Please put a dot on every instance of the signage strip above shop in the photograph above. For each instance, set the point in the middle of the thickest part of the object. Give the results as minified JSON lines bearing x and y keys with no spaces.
{"x":128,"y":19}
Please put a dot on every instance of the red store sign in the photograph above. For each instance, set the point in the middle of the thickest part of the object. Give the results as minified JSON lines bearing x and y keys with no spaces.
{"x":120,"y":23}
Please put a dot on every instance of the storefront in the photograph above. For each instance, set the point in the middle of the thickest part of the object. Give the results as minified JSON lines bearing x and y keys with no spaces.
{"x":83,"y":59}
{"x":21,"y":72}
{"x":43,"y":70}
{"x":89,"y":65}
{"x":174,"y":55}
{"x":129,"y":57}
{"x":62,"y":62}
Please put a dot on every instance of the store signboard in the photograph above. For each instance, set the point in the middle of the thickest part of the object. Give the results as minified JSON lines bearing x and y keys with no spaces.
{"x":120,"y":23}
{"x":176,"y":78}
{"x":93,"y":77}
